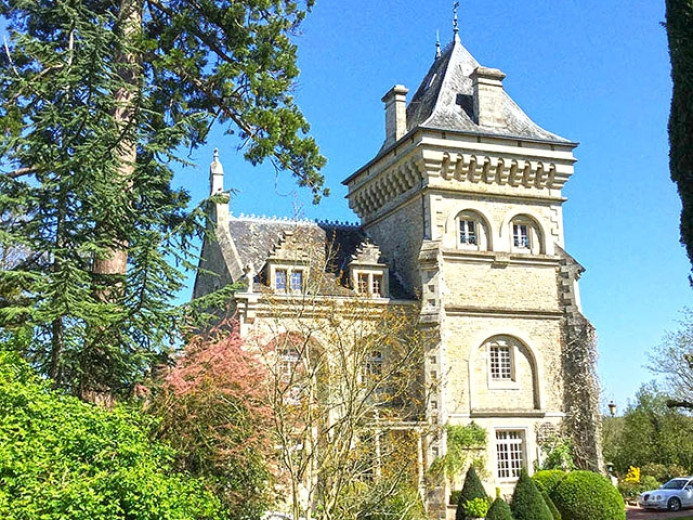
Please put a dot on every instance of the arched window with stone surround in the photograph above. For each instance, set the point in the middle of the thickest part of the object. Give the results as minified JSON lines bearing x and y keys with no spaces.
{"x":526,"y":235}
{"x":471,"y":231}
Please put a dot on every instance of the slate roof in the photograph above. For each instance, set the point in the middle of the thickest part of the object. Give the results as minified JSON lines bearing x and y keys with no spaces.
{"x":444,"y":101}
{"x":256,"y":238}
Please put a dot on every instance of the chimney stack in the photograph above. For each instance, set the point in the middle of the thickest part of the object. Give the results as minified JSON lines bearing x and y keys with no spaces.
{"x":395,"y":114}
{"x":488,"y":97}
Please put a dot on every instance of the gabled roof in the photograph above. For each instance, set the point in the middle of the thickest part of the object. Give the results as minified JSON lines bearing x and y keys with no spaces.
{"x":444,"y":101}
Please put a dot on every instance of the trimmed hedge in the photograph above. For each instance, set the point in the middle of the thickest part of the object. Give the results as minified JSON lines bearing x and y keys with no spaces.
{"x":585,"y":495}
{"x":547,"y":480}
{"x":473,"y":488}
{"x":528,"y":503}
{"x":552,"y":507}
{"x":499,"y":510}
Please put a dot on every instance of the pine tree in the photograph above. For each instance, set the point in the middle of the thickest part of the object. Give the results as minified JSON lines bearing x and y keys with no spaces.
{"x":499,"y":510}
{"x":96,"y":99}
{"x":472,"y":488}
{"x":527,"y":502}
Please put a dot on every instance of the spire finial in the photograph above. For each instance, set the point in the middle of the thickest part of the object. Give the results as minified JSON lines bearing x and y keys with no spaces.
{"x":438,"y":53}
{"x":455,"y":27}
{"x":216,"y":174}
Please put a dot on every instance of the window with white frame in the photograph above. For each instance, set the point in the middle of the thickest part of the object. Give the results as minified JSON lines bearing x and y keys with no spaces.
{"x":362,"y":287}
{"x":280,"y":276}
{"x":370,"y":283}
{"x":377,"y":287}
{"x":467,"y":230}
{"x":510,"y":453}
{"x":526,"y":237}
{"x":471,"y":231}
{"x":287,"y":361}
{"x":296,"y":280}
{"x":500,"y":362}
{"x":521,"y":235}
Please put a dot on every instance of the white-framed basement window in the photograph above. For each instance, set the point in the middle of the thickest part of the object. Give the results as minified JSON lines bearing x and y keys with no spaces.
{"x":510,"y":453}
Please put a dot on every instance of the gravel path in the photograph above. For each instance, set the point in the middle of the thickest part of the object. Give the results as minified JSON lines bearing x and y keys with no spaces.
{"x":636,"y":513}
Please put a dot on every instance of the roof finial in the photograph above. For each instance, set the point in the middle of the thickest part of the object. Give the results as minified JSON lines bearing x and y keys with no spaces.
{"x":455,"y":28}
{"x":216,"y":174}
{"x":438,"y":53}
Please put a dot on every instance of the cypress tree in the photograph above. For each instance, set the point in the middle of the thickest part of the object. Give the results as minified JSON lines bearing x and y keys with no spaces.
{"x":499,"y":510}
{"x":555,"y":513}
{"x":528,"y":503}
{"x":473,"y":488}
{"x":679,"y":23}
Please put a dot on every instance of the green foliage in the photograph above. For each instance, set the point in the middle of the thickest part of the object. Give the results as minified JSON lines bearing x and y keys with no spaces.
{"x":476,"y":508}
{"x":555,"y":513}
{"x":662,"y":473}
{"x":584,"y":495}
{"x":381,"y":501}
{"x":499,"y":510}
{"x":679,"y":24}
{"x":558,"y":452}
{"x":649,"y":433}
{"x":472,"y":489}
{"x":61,"y":458}
{"x":96,"y":101}
{"x":547,"y":480}
{"x":465,"y":445}
{"x":527,"y":503}
{"x":630,"y":490}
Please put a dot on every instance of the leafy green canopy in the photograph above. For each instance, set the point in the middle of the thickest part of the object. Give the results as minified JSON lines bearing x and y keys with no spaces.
{"x":528,"y":503}
{"x":679,"y":23}
{"x":96,"y":99}
{"x":61,"y":458}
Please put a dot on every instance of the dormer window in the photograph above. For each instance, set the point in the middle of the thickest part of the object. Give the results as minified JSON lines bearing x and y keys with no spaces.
{"x":371,"y":284}
{"x":296,"y":280}
{"x":287,"y":279}
{"x":362,"y":287}
{"x":280,"y":279}
{"x":377,"y":284}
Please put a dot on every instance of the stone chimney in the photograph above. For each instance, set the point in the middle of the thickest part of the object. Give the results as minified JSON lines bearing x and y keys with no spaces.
{"x":395,"y":114}
{"x":216,"y":175}
{"x":488,"y":97}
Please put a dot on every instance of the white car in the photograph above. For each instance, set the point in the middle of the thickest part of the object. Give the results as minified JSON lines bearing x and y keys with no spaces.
{"x":673,"y":495}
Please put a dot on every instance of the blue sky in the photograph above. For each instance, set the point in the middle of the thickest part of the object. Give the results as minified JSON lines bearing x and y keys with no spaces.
{"x":592,"y":71}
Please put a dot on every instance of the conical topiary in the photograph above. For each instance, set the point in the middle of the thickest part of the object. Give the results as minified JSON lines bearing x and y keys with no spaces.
{"x":499,"y":510}
{"x":528,"y":503}
{"x":473,"y":488}
{"x":555,"y":513}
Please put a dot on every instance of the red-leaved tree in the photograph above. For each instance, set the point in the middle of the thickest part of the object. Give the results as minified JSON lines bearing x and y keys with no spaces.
{"x":213,"y":411}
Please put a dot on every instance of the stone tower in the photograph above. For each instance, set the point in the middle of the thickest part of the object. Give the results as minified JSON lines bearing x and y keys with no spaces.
{"x":464,"y":200}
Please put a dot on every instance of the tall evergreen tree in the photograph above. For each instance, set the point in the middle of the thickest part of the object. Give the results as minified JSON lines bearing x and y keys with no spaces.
{"x":96,"y":98}
{"x":679,"y":23}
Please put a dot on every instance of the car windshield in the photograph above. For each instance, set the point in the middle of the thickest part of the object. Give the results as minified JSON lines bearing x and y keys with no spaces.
{"x":677,"y":483}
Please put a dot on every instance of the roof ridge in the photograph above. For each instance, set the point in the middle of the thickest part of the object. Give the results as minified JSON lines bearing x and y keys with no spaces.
{"x":294,"y":221}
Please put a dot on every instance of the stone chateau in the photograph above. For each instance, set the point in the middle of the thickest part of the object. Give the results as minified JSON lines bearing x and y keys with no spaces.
{"x":461,"y":219}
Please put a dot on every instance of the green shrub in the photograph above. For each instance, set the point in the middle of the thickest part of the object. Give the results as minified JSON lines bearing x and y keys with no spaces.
{"x":499,"y":510}
{"x":584,"y":495}
{"x":528,"y":503}
{"x":455,"y":497}
{"x":548,"y":479}
{"x":476,"y":508}
{"x":648,"y":483}
{"x":555,"y":513}
{"x":472,"y":489}
{"x":662,"y":473}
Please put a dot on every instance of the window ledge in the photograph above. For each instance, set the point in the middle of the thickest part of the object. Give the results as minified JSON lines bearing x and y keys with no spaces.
{"x":506,"y":412}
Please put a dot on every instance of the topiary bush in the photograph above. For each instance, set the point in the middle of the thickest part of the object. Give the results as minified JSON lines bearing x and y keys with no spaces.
{"x":555,"y":513}
{"x":585,"y":495}
{"x":475,"y":508}
{"x":528,"y":503}
{"x":548,"y":479}
{"x":473,"y":488}
{"x":499,"y":510}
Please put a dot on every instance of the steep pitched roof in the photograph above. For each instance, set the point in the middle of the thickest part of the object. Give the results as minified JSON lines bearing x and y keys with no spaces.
{"x":444,"y":101}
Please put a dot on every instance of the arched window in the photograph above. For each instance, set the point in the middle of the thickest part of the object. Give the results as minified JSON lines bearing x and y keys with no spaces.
{"x":471,"y":231}
{"x":525,"y":235}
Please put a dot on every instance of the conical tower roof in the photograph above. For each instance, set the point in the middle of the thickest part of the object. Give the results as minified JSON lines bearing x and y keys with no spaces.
{"x":445,"y":101}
